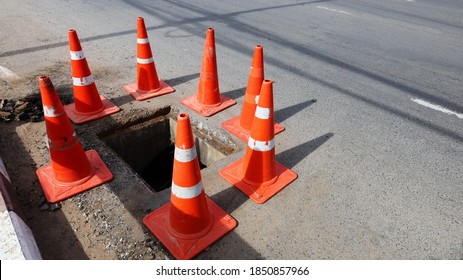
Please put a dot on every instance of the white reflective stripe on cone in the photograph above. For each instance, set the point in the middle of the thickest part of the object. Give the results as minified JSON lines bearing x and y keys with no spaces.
{"x":85,"y":81}
{"x":261,"y":146}
{"x":142,"y":41}
{"x":77,"y":55}
{"x":262,"y":113}
{"x":50,"y":112}
{"x":145,"y":60}
{"x":257,"y":99}
{"x":185,"y":155}
{"x":187,"y":192}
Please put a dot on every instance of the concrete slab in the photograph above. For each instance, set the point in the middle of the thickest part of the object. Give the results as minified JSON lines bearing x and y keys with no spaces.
{"x":16,"y":239}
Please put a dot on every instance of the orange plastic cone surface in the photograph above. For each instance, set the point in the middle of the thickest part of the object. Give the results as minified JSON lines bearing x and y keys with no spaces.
{"x":72,"y":170}
{"x":208,"y":100}
{"x":88,"y":103}
{"x":191,"y":221}
{"x":258,"y":174}
{"x":148,"y":84}
{"x":241,"y":126}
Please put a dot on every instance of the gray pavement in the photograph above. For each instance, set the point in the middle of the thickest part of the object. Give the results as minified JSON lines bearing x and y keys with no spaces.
{"x":370,"y":94}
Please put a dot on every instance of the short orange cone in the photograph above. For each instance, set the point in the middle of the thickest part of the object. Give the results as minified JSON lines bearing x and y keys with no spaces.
{"x":72,"y":170}
{"x":241,"y":126}
{"x":88,"y":103}
{"x":258,"y":174}
{"x":208,"y":100}
{"x":191,"y":222}
{"x":148,"y":84}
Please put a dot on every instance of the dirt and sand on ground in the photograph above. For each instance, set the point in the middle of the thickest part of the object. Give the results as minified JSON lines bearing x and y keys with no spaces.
{"x":92,"y":225}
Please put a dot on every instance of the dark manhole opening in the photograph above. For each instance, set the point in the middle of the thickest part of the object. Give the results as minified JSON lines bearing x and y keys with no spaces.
{"x":148,"y":148}
{"x":158,"y":174}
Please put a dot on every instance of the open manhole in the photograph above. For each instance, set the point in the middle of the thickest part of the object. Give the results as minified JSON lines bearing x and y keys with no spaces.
{"x":148,"y":147}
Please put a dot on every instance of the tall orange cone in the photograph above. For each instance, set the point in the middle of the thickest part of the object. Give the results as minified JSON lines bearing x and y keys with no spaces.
{"x":258,"y":174}
{"x":208,"y":100}
{"x":191,"y":221}
{"x":88,"y":103}
{"x":72,"y":170}
{"x":148,"y":84}
{"x":241,"y":126}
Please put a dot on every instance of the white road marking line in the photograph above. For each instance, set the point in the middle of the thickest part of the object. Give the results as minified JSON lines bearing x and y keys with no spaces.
{"x":437,"y":107}
{"x":413,"y":1}
{"x":333,"y":10}
{"x":7,"y":75}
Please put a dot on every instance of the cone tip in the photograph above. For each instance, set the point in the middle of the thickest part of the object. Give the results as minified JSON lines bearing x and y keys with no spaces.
{"x":141,"y":28}
{"x":258,"y":58}
{"x":72,"y":34}
{"x":210,"y":38}
{"x":74,"y":43}
{"x":44,"y":80}
{"x":210,"y":32}
{"x":266,"y":93}
{"x":183,"y":116}
{"x":48,"y":93}
{"x":184,"y":138}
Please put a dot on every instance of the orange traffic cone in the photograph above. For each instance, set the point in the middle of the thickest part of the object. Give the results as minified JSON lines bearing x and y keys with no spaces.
{"x":191,"y":222}
{"x":208,"y":100}
{"x":88,"y":103}
{"x":241,"y":126}
{"x":148,"y":84}
{"x":72,"y":170}
{"x":258,"y":174}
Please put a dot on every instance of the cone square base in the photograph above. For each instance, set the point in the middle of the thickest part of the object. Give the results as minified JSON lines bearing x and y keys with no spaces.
{"x":259,"y":194}
{"x":206,"y":111}
{"x":133,"y":90}
{"x":55,"y":191}
{"x":185,"y":249}
{"x":233,"y":126}
{"x":78,"y":118}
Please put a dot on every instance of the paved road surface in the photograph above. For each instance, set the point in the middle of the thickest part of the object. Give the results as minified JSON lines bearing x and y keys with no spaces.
{"x":370,"y":93}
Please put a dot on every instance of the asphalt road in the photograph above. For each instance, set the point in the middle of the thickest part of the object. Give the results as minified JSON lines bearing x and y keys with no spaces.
{"x":370,"y":93}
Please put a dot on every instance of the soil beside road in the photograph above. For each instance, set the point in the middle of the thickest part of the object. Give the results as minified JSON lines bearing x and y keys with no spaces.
{"x":92,"y":225}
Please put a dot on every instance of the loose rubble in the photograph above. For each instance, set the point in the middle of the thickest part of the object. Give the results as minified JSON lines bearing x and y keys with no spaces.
{"x":23,"y":109}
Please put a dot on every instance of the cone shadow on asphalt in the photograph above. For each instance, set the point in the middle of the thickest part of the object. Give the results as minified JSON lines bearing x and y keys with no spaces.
{"x":232,"y":198}
{"x":236,"y":93}
{"x":285,"y":113}
{"x":235,"y":248}
{"x":182,"y":79}
{"x":291,"y":157}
